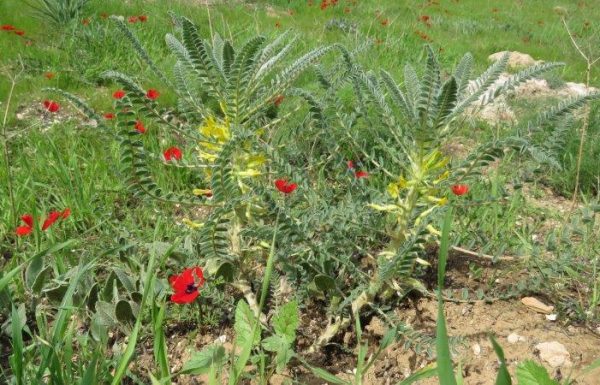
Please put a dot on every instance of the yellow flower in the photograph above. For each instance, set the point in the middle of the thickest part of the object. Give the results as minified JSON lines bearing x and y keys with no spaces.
{"x":191,"y":224}
{"x":249,"y":172}
{"x":201,"y":191}
{"x":216,"y":130}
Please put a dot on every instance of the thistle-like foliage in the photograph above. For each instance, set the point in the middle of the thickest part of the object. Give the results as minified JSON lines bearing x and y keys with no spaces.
{"x":238,"y":84}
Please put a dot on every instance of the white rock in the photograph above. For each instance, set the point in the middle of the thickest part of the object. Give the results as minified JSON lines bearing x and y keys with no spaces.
{"x":515,"y":59}
{"x":513,"y":338}
{"x":476,"y":349}
{"x":551,"y":317}
{"x":554,"y":353}
{"x":221,"y":339}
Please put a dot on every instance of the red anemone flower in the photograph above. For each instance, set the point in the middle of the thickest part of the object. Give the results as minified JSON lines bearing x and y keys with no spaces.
{"x":285,"y":186}
{"x":109,"y":116}
{"x":172,"y":153}
{"x":49,"y":75}
{"x":19,"y":32}
{"x":65,"y":213}
{"x":51,"y":106}
{"x":460,"y":189}
{"x":133,"y":19}
{"x":186,"y":285}
{"x":361,"y":174}
{"x":52,"y":217}
{"x":139,"y":126}
{"x":143,"y":18}
{"x":7,"y":27}
{"x":152,"y":94}
{"x":119,"y":94}
{"x":278,"y":100}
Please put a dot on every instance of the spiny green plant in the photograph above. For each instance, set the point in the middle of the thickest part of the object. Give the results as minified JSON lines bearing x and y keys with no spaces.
{"x":227,"y":108}
{"x":59,"y":12}
{"x":414,"y":124}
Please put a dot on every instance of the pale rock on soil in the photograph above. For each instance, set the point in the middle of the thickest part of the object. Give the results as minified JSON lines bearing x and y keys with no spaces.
{"x":499,"y":112}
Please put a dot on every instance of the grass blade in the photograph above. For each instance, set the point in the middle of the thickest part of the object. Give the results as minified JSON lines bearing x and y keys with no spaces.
{"x":444,"y":361}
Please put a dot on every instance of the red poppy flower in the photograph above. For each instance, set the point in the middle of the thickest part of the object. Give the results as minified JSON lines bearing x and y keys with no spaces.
{"x":186,"y":285}
{"x":460,"y":189}
{"x":65,"y":213}
{"x":109,"y":116}
{"x":133,"y":19}
{"x":324,"y":5}
{"x":152,"y":94}
{"x":51,"y":106}
{"x":350,"y":165}
{"x":104,"y":15}
{"x":172,"y":153}
{"x":85,"y":21}
{"x":28,"y":219}
{"x":52,"y":217}
{"x":119,"y":94}
{"x":19,"y":32}
{"x":28,"y":228}
{"x":278,"y":99}
{"x":143,"y":18}
{"x":385,"y":22}
{"x":7,"y":27}
{"x":285,"y":186}
{"x":23,"y":231}
{"x":361,"y":174}
{"x":49,"y":75}
{"x":139,"y":126}
{"x":424,"y":18}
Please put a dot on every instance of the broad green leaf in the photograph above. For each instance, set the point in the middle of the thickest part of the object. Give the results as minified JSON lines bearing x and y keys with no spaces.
{"x":286,"y":321}
{"x":33,"y":270}
{"x":274,"y":343}
{"x":6,"y":278}
{"x":201,"y":362}
{"x":532,"y":373}
{"x":244,"y":324}
{"x":124,"y":312}
{"x":324,"y":282}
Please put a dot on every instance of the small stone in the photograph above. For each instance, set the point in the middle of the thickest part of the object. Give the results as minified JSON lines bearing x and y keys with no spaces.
{"x":476,"y":349}
{"x":554,"y":353}
{"x":515,"y":59}
{"x":551,"y":317}
{"x":221,"y":339}
{"x":537,"y":305}
{"x":513,"y":338}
